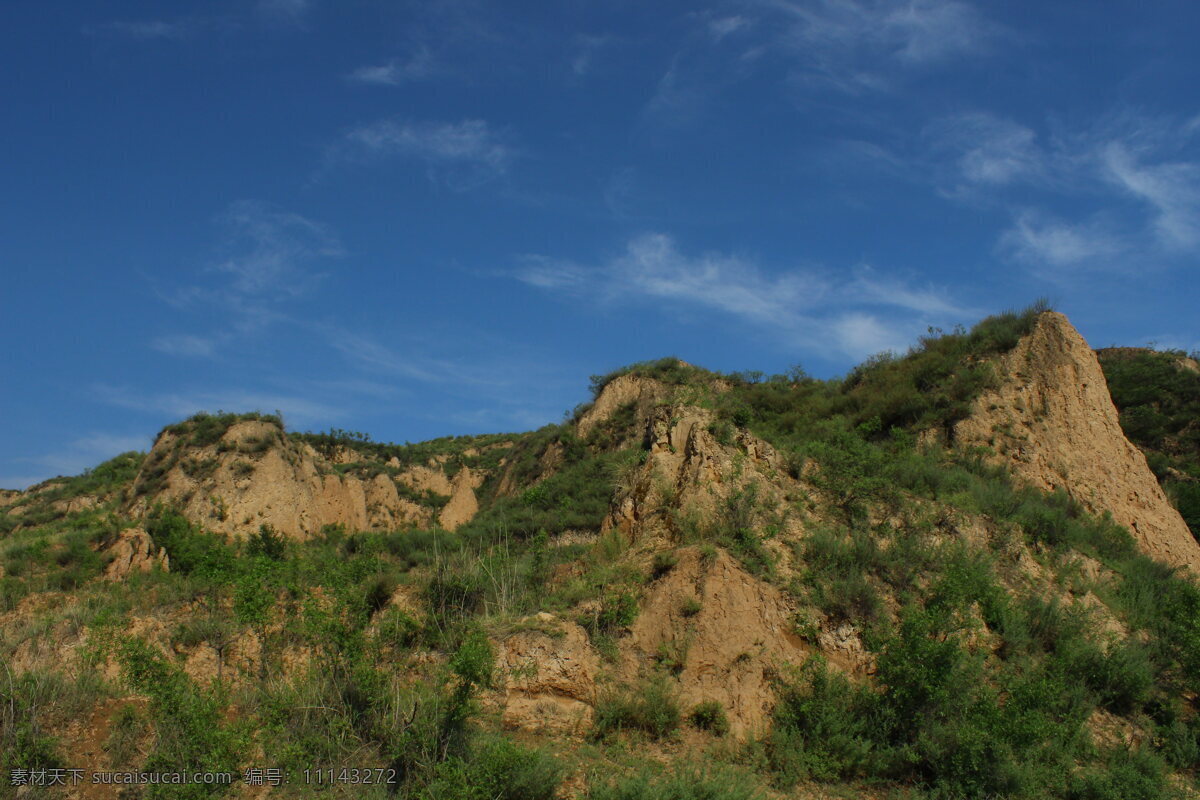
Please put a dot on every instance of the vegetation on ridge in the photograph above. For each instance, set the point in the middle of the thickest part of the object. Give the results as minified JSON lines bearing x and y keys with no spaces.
{"x":1017,"y":646}
{"x":1158,"y":397}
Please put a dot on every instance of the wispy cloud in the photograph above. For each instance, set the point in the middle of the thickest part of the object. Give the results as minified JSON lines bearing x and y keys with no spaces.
{"x":21,"y":482}
{"x":148,"y":29}
{"x":587,"y":47}
{"x":988,"y":150}
{"x":269,"y":256}
{"x":184,"y":345}
{"x":1171,"y":189}
{"x":848,"y":43}
{"x":467,"y":372}
{"x":292,"y":12}
{"x":1038,"y":239}
{"x":804,"y":303}
{"x":271,"y":251}
{"x":464,"y":154}
{"x":1118,"y":162}
{"x":727,"y":26}
{"x":297,"y":410}
{"x":75,"y":457}
{"x":395,"y":72}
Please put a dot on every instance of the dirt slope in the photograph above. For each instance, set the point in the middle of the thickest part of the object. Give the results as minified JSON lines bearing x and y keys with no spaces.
{"x":721,"y":631}
{"x":255,"y":475}
{"x":1053,"y":422}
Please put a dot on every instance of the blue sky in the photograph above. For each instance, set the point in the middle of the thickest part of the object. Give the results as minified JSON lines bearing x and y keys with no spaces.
{"x":420,"y":219}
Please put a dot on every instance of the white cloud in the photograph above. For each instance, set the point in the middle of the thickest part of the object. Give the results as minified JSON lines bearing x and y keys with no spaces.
{"x":467,"y":370}
{"x":393,"y":73}
{"x":852,"y":44}
{"x":290,"y":11}
{"x":802,"y":305}
{"x":653,"y":266}
{"x":21,"y":482}
{"x":297,"y":411}
{"x":272,"y":249}
{"x":931,"y":30}
{"x":548,"y":273}
{"x":1123,"y":157}
{"x":185,"y":345}
{"x":1172,"y":189}
{"x":861,"y":334}
{"x":467,"y":153}
{"x":1055,"y":243}
{"x":585,"y":55}
{"x":987,"y":149}
{"x":727,"y":26}
{"x":270,"y":257}
{"x":870,"y":288}
{"x":148,"y":29}
{"x":79,"y":455}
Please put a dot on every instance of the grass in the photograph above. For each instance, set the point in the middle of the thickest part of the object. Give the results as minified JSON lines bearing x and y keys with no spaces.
{"x":1159,"y":405}
{"x":984,"y":674}
{"x":651,"y":709}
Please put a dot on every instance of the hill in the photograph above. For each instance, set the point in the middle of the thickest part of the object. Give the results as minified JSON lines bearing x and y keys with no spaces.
{"x":1158,"y":396}
{"x":947,"y":574}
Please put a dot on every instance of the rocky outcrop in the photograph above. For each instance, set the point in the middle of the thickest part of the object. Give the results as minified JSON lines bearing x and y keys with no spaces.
{"x":254,"y":475}
{"x":463,"y":505}
{"x":1052,"y":421}
{"x":721,"y":631}
{"x":134,"y":551}
{"x":549,"y":676}
{"x":632,"y":389}
{"x":691,"y":470}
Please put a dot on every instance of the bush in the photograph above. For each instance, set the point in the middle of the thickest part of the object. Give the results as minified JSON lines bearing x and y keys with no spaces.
{"x":499,"y":769}
{"x":191,"y":550}
{"x":1128,"y":775}
{"x":267,"y":542}
{"x":821,"y":727}
{"x":653,"y":710}
{"x":688,"y":785}
{"x":710,"y":716}
{"x":189,"y":724}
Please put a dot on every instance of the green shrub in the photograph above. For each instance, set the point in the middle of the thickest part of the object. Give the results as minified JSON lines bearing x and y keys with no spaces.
{"x":1128,"y":775}
{"x":267,"y":542}
{"x":190,"y":550}
{"x":688,"y":785}
{"x":617,"y":612}
{"x":822,"y":728}
{"x":26,"y":702}
{"x":664,"y":562}
{"x":398,"y":628}
{"x":190,"y":732}
{"x":652,"y":710}
{"x":204,"y":429}
{"x":710,"y":716}
{"x":691,"y":607}
{"x":454,"y":597}
{"x":498,"y":769}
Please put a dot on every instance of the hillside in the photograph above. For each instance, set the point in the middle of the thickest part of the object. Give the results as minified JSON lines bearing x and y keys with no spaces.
{"x":1158,"y":396}
{"x":947,"y":574}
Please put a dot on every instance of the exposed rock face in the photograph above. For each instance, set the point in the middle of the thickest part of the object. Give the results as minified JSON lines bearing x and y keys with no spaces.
{"x":549,"y":679}
{"x":240,"y":483}
{"x":134,"y":551}
{"x":727,"y":650}
{"x":463,"y":505}
{"x":687,"y":468}
{"x":644,"y":393}
{"x":1053,"y":422}
{"x":426,"y":479}
{"x":9,"y":496}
